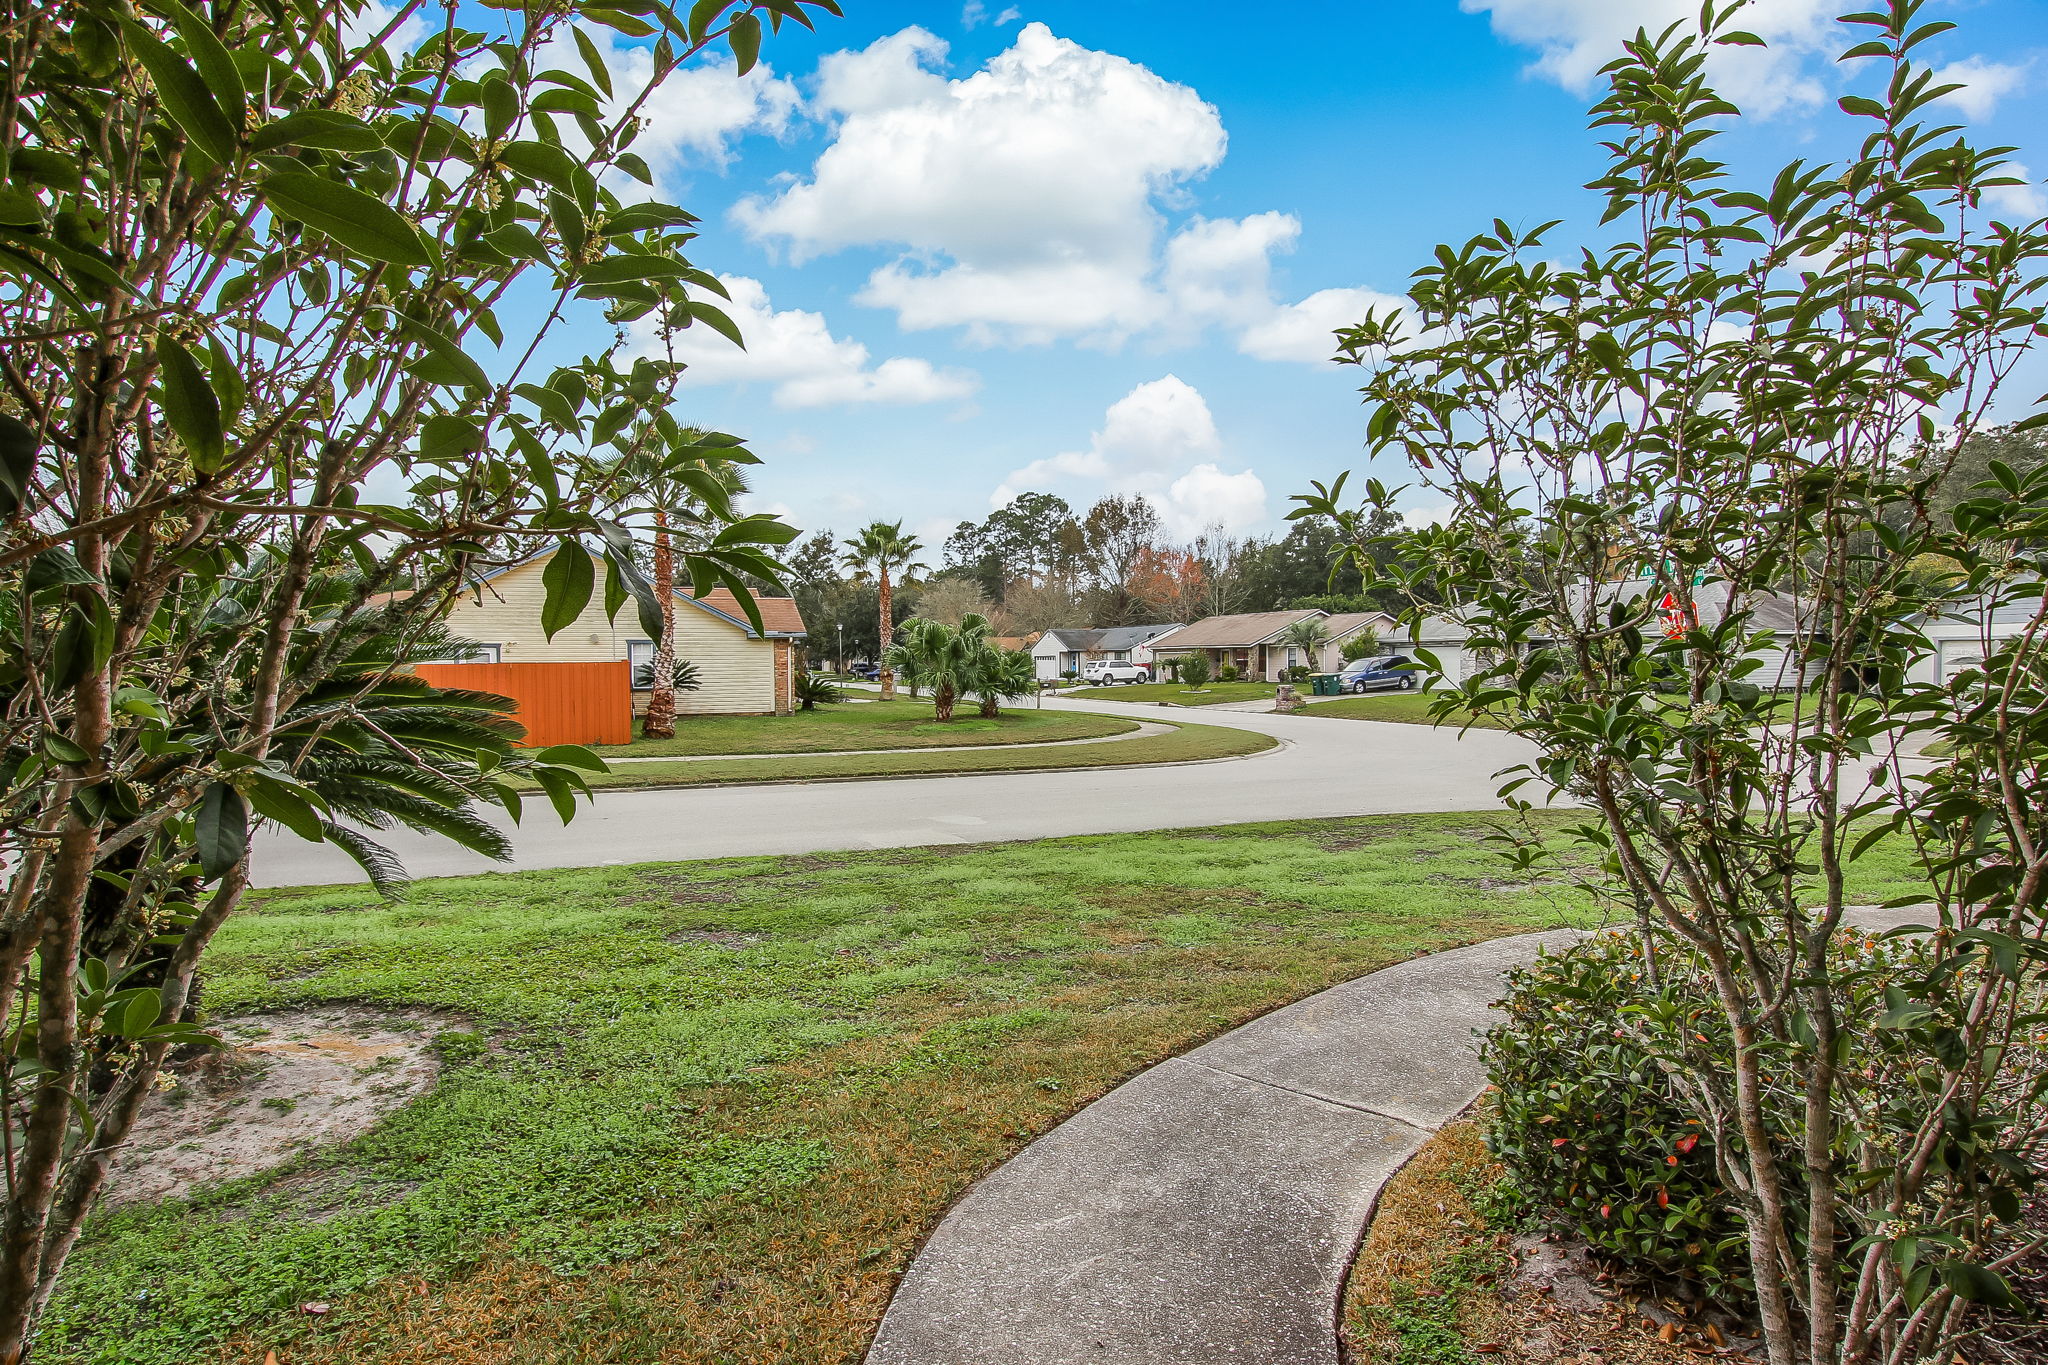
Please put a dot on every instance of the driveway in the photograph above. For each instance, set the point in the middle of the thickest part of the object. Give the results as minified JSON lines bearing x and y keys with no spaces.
{"x":1321,"y":768}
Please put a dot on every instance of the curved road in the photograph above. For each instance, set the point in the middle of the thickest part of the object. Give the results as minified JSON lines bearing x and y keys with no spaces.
{"x":1321,"y":768}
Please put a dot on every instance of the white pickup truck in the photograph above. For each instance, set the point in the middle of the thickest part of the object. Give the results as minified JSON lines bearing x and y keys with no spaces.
{"x":1107,"y":671}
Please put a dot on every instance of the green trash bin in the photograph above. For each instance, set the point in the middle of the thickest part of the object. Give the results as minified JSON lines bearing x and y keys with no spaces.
{"x":1324,"y":684}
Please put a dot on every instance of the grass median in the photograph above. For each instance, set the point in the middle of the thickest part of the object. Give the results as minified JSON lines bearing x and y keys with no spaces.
{"x":1183,"y":744}
{"x":705,"y":1112}
{"x":1211,"y":695}
{"x":870,"y":724}
{"x":1402,"y":708}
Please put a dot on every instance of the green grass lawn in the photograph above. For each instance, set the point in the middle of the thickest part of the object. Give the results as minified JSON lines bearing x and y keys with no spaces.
{"x":871,"y":725}
{"x":1408,"y":708}
{"x":1186,"y":743}
{"x":703,"y":1113}
{"x":1208,"y":695}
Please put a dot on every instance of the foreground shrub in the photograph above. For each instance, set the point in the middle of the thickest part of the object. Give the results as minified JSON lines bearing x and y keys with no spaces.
{"x":1598,"y":1123}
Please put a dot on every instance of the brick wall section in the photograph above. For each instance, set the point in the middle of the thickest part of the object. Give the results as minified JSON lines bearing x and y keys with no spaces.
{"x":784,"y":702}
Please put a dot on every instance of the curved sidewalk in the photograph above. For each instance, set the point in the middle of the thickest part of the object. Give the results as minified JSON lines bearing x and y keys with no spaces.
{"x":1207,"y":1210}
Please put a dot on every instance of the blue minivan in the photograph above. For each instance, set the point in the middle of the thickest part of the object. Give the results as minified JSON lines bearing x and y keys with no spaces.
{"x":1395,"y":672}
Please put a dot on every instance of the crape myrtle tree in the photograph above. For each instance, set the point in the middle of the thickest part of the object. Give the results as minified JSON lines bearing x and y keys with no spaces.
{"x":275,"y":290}
{"x":1752,"y":394}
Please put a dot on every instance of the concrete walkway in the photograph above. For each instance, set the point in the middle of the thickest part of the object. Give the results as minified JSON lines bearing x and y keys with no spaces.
{"x":1207,"y":1210}
{"x":1145,"y":730}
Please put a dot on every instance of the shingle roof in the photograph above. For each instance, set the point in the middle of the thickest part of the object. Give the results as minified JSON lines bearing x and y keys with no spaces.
{"x":778,"y":614}
{"x":1234,"y":632}
{"x":1130,"y":637}
{"x":1344,"y":623}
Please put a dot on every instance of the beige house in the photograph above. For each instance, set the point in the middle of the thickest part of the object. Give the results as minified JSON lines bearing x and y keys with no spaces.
{"x":741,"y":672}
{"x":1251,"y":642}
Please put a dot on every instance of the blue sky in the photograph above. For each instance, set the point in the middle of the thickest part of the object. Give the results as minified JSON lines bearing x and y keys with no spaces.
{"x":1098,"y":247}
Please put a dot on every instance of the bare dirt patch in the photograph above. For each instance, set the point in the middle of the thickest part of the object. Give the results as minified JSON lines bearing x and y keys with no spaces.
{"x":285,"y":1083}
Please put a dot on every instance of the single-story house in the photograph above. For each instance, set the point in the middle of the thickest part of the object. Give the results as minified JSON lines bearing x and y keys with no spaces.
{"x":740,"y":671}
{"x":1779,"y":619}
{"x":1248,"y":642}
{"x":1959,"y":635}
{"x":1343,"y":627}
{"x":1061,"y":651}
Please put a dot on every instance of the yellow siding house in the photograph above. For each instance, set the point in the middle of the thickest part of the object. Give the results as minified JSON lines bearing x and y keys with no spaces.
{"x":742,"y":672}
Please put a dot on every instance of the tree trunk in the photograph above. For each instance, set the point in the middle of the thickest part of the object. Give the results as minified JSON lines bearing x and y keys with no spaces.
{"x":882,"y":649}
{"x":942,"y":701}
{"x":660,"y":721}
{"x":991,"y":706}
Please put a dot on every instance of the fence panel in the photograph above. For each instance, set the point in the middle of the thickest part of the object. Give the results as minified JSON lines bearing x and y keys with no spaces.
{"x":558,"y":703}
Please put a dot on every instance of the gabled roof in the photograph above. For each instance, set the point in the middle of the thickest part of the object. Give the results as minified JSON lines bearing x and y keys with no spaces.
{"x":1345,"y":623}
{"x":779,"y":615}
{"x":1236,"y":632}
{"x":1074,"y":640}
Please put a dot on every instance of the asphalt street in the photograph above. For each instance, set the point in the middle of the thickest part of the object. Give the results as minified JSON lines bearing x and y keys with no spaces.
{"x":1322,"y":767}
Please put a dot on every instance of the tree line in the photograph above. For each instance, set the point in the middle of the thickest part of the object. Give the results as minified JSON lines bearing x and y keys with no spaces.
{"x":1036,"y":565}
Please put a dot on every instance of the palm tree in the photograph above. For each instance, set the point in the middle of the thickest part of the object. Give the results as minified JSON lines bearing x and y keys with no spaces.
{"x":1308,"y":635}
{"x":1006,"y":675}
{"x":653,"y":480}
{"x":881,"y":548}
{"x":949,"y":661}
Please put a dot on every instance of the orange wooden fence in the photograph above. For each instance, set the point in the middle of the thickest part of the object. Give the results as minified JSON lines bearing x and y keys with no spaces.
{"x":557,"y":703}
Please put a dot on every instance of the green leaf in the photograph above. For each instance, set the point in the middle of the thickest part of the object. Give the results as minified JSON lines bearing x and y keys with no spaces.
{"x":568,"y":220}
{"x":1861,"y":105}
{"x":500,"y":101}
{"x":567,"y":580}
{"x":55,"y":568}
{"x":456,"y":366}
{"x":190,"y":405}
{"x":543,"y":162}
{"x":746,"y":42}
{"x":18,"y":449}
{"x":641,"y":217}
{"x":326,"y":129}
{"x":286,"y":807}
{"x":616,"y":269}
{"x":223,"y":831}
{"x":593,"y":61}
{"x":361,"y":222}
{"x":223,"y":78}
{"x":702,"y":14}
{"x":63,"y":750}
{"x":1978,"y":1284}
{"x":1737,"y":38}
{"x":572,"y":756}
{"x":715,"y":318}
{"x":184,"y":95}
{"x":19,"y":207}
{"x":140,"y":1014}
{"x":561,"y":790}
{"x":447,"y":437}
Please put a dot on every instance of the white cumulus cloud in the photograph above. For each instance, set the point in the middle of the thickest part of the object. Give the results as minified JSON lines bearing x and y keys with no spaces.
{"x":1160,"y":439}
{"x":1030,"y":201}
{"x":795,"y":351}
{"x":1575,"y":38}
{"x":1983,"y":84}
{"x":2024,"y":201}
{"x":1022,"y":195}
{"x":1305,"y":331}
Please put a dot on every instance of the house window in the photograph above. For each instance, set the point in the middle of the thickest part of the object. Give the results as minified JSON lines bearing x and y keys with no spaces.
{"x":640,"y":654}
{"x":475,"y":654}
{"x":1293,"y":657}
